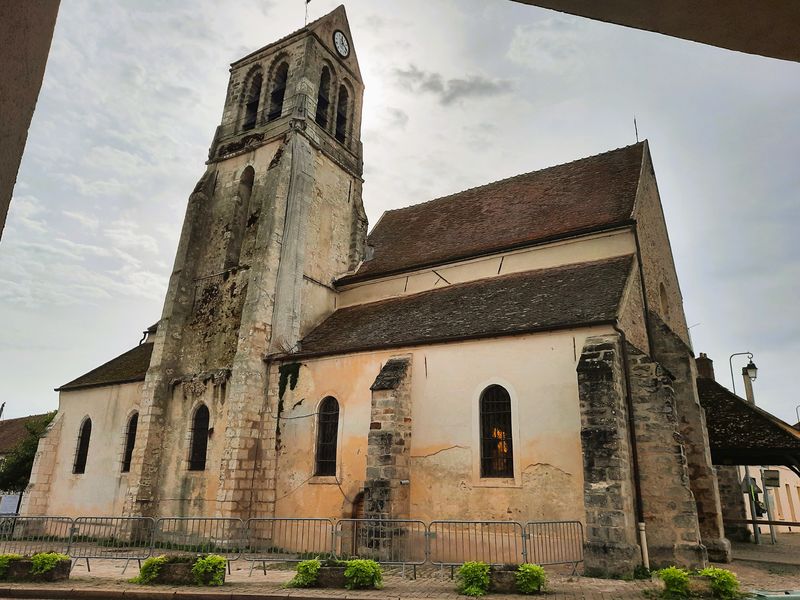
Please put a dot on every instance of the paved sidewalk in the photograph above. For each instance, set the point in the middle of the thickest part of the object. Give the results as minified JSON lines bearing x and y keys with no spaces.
{"x":107,"y":581}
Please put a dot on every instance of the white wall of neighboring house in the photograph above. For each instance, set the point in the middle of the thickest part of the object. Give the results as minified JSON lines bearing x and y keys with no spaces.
{"x":785,"y":500}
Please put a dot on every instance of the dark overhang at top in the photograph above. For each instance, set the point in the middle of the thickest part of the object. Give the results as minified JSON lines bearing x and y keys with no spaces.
{"x":768,"y":28}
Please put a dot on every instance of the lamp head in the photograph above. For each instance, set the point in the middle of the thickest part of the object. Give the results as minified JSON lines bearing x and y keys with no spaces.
{"x":752,"y":370}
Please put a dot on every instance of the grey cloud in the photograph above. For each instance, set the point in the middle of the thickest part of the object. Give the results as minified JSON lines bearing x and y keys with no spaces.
{"x":451,"y":90}
{"x":396,"y":118}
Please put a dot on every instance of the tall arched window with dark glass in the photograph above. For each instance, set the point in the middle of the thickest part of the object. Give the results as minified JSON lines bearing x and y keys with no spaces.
{"x":130,"y":441}
{"x":327,"y":434}
{"x":323,"y":98}
{"x":199,"y":446}
{"x":341,"y":114}
{"x":82,"y":451}
{"x":497,"y":451}
{"x":251,"y":101}
{"x":278,"y":92}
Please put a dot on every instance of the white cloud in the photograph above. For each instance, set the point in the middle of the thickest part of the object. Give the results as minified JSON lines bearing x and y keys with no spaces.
{"x":87,"y":221}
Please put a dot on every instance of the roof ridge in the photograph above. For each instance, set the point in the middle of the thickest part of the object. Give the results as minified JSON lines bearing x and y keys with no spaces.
{"x":513,"y":177}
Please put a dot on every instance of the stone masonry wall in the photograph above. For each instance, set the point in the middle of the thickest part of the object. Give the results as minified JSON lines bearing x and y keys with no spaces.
{"x":35,"y":498}
{"x":670,"y":512}
{"x":675,"y":356}
{"x":387,"y":489}
{"x":734,"y":507}
{"x":610,"y":547}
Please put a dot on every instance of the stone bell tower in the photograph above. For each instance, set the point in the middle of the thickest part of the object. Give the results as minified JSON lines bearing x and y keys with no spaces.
{"x":276,"y":216}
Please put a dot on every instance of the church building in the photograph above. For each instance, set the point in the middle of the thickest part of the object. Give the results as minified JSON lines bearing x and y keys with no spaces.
{"x":516,"y":351}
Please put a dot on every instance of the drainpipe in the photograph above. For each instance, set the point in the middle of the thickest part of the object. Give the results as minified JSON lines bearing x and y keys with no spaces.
{"x":640,"y":525}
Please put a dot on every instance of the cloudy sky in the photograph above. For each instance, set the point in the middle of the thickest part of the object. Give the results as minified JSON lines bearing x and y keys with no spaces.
{"x":459,"y":93}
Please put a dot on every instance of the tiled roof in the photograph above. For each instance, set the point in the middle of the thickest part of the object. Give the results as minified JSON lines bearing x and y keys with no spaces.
{"x":128,"y":367}
{"x":13,"y":431}
{"x":739,"y":431}
{"x":511,"y":304}
{"x":586,"y":194}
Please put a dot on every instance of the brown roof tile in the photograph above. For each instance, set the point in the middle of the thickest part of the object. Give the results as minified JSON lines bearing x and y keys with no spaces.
{"x":128,"y":367}
{"x":13,"y":431}
{"x":740,"y":433}
{"x":511,"y":304}
{"x":586,"y":194}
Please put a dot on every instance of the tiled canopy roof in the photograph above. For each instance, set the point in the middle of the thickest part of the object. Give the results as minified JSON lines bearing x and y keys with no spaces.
{"x":128,"y":367}
{"x":742,"y":434}
{"x":13,"y":431}
{"x":586,"y":194}
{"x":553,"y":298}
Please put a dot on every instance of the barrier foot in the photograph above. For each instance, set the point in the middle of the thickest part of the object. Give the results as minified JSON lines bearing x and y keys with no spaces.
{"x":88,"y":567}
{"x":125,"y":566}
{"x":227,"y":562}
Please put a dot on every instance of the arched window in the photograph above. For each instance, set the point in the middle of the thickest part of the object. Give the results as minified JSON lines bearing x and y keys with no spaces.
{"x":130,"y":441}
{"x":664,"y":299}
{"x":197,"y":454}
{"x":82,"y":452}
{"x":239,"y":219}
{"x":497,"y":452}
{"x":278,"y":92}
{"x":327,"y":432}
{"x":341,"y":114}
{"x":251,"y":101}
{"x":323,"y":101}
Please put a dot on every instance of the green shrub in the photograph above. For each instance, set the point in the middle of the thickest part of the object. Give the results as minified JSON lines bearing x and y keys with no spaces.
{"x":676,"y":582}
{"x":4,"y":560}
{"x":641,"y":572}
{"x":363,"y":574}
{"x":306,"y":575}
{"x":209,"y":570}
{"x":530,"y":579}
{"x":473,"y":579}
{"x":149,"y":570}
{"x":724,"y":584}
{"x":44,"y":562}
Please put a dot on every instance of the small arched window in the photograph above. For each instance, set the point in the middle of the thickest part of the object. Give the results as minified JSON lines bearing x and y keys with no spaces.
{"x":197,"y":453}
{"x":278,"y":92}
{"x":323,"y":98}
{"x":497,"y":451}
{"x":327,"y":433}
{"x":239,"y":219}
{"x":341,"y":114}
{"x":82,"y":452}
{"x":251,"y":101}
{"x":664,"y":299}
{"x":130,"y":441}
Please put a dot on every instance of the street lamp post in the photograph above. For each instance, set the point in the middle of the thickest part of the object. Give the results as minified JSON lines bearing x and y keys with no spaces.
{"x":751,"y":371}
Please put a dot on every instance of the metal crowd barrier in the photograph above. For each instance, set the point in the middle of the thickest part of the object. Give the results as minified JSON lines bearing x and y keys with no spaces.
{"x":119,"y":538}
{"x":200,"y":535}
{"x":496,"y":543}
{"x":30,"y":535}
{"x":554,"y":543}
{"x":259,"y":541}
{"x":387,"y":541}
{"x":287,"y":540}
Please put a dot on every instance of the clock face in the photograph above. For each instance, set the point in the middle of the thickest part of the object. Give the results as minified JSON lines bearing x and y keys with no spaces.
{"x":342,"y":46}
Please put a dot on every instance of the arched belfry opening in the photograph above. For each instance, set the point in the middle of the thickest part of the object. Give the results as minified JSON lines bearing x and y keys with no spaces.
{"x":278,"y":91}
{"x":323,"y":98}
{"x":342,"y":103}
{"x":251,"y":102}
